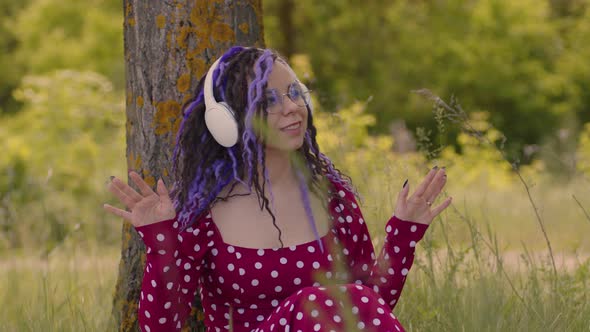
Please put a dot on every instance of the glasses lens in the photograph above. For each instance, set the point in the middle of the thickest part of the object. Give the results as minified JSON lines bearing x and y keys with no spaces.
{"x":273,"y":102}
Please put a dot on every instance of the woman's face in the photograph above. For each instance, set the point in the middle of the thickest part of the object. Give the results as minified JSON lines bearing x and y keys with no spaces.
{"x":287,"y":114}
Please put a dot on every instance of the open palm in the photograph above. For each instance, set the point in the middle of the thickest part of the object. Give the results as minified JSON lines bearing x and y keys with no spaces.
{"x":418,"y":207}
{"x":146,"y":208}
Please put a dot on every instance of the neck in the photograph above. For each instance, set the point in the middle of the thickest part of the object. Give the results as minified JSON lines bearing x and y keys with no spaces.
{"x":281,"y":173}
{"x":279,"y":168}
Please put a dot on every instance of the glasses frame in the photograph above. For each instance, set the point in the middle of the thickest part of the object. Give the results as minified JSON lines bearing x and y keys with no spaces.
{"x":282,"y":99}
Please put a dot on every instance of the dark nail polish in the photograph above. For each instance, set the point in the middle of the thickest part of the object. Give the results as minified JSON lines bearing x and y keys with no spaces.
{"x":405,"y":183}
{"x":435,"y":167}
{"x":112,"y":177}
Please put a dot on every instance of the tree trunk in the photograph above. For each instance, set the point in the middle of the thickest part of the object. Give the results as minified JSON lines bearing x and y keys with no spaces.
{"x":287,"y":27}
{"x":168,"y":46}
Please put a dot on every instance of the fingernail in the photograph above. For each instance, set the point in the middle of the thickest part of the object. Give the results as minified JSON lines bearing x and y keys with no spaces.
{"x":435,"y":167}
{"x":112,"y":177}
{"x":405,"y":183}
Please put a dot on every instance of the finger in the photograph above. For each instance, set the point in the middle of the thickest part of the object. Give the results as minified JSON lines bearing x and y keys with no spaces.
{"x":145,"y":189}
{"x":437,"y":210}
{"x":435,"y":186}
{"x":422,"y":187}
{"x":125,"y":188}
{"x":121,"y":196}
{"x":118,"y":212}
{"x":163,"y":192}
{"x":402,"y":196}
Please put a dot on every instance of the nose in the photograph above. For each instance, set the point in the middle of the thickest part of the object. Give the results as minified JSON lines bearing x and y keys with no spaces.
{"x":289,"y":106}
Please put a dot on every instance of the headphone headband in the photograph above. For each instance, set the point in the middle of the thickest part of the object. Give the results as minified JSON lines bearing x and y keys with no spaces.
{"x":220,"y":119}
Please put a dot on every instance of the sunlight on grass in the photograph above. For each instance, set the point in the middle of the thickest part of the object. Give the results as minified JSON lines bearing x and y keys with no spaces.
{"x":69,"y":291}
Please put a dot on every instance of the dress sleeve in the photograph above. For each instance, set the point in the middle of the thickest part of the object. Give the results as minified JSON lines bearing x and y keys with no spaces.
{"x":174,"y":262}
{"x":386,"y":273}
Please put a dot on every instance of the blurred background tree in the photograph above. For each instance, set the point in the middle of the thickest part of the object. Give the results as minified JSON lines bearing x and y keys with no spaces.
{"x":522,"y":61}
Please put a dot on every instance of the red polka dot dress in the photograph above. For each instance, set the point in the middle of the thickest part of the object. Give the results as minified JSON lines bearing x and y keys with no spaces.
{"x":344,"y":287}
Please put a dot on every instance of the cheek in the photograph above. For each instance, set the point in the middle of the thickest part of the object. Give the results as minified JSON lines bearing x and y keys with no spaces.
{"x":272,"y":122}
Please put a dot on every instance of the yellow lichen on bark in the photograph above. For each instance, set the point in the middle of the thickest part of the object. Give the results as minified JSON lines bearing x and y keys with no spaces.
{"x":148,"y":177}
{"x":160,"y":21}
{"x":244,"y":27}
{"x":129,"y":98}
{"x":128,"y":9}
{"x":139,"y":101}
{"x":175,"y":127}
{"x":222,"y":32}
{"x":183,"y":83}
{"x":168,"y":39}
{"x":130,"y":317}
{"x":186,"y":98}
{"x":127,"y":236}
{"x":166,"y":113}
{"x":196,"y":65}
{"x":182,"y":37}
{"x":134,"y":161}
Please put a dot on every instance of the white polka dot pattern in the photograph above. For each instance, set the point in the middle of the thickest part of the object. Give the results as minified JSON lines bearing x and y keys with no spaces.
{"x":276,"y":289}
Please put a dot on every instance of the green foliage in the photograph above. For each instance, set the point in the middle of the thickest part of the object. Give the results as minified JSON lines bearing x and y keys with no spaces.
{"x":513,"y":59}
{"x":39,"y":36}
{"x":11,"y":73}
{"x":59,"y":151}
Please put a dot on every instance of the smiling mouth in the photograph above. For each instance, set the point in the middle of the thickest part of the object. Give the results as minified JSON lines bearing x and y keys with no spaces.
{"x":296,"y":125}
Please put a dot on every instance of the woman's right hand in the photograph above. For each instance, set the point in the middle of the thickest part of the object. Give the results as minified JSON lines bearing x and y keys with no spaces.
{"x":146,"y":208}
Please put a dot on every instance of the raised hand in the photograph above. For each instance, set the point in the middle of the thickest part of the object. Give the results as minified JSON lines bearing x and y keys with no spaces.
{"x":418,"y":207}
{"x":146,"y":208}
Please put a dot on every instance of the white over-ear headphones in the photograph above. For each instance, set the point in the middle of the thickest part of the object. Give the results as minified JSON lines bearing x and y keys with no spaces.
{"x":220,"y":119}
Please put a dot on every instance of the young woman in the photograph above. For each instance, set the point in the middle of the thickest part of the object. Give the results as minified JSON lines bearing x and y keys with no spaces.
{"x":260,"y":222}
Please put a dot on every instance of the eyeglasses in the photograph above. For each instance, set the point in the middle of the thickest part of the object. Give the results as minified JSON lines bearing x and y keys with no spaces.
{"x":275,"y":103}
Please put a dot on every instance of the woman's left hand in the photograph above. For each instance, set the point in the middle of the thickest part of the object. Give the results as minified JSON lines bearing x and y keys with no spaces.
{"x":418,"y":207}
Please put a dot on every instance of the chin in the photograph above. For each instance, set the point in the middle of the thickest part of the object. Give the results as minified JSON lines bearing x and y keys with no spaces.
{"x":290,"y":146}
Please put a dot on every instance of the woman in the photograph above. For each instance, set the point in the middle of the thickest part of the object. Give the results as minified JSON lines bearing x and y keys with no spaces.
{"x":241,"y":167}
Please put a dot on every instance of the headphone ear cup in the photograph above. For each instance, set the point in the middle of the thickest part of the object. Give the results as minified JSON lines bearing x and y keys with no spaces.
{"x":228,"y":109}
{"x":222,"y":124}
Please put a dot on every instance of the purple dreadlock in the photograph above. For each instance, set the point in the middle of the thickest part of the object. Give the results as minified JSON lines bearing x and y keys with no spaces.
{"x":202,"y":168}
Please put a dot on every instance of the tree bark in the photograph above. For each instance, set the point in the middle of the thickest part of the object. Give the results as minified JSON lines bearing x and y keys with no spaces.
{"x":169,"y":45}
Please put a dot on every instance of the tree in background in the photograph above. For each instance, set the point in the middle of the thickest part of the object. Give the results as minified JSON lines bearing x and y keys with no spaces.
{"x":168,"y":47}
{"x":8,"y":44}
{"x":521,"y":61}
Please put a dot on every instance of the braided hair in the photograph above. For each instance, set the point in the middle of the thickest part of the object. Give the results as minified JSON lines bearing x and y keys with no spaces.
{"x":203,"y":168}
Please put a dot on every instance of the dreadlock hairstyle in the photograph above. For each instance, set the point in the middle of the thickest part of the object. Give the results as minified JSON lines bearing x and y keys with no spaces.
{"x":202,"y":167}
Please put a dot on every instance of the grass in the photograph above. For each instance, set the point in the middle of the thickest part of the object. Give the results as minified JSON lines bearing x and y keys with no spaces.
{"x":467,"y":275}
{"x":68,"y":291}
{"x":485,"y":265}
